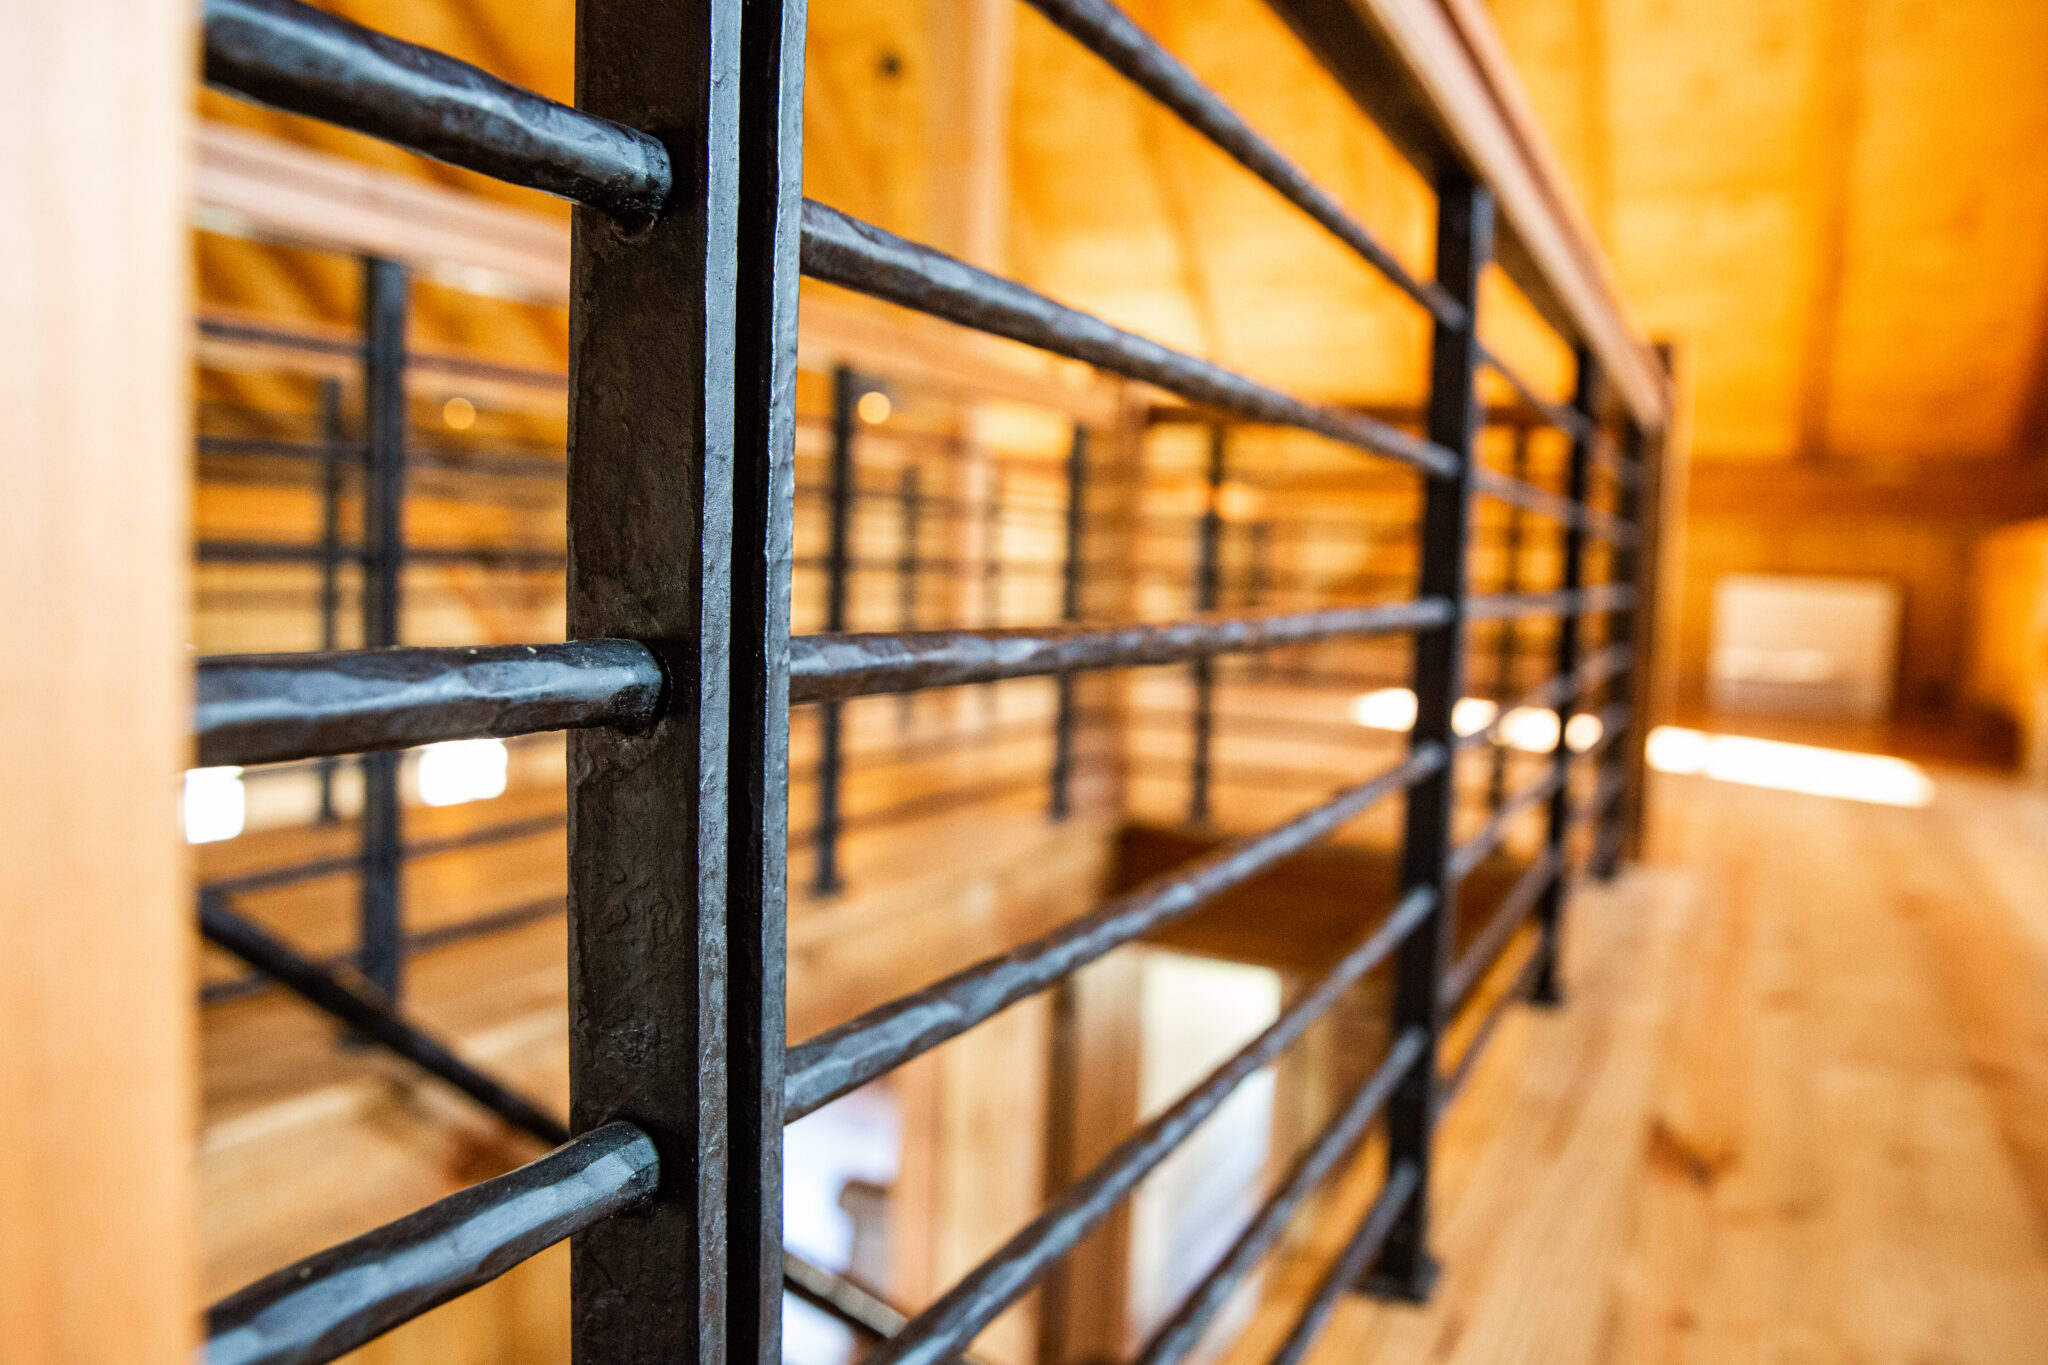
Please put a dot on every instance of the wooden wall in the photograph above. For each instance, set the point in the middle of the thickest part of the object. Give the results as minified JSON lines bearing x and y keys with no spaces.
{"x":96,"y":1059}
{"x":1916,"y":526}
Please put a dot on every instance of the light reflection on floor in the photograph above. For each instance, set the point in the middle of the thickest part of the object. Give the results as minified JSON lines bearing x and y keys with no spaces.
{"x":1806,"y":768}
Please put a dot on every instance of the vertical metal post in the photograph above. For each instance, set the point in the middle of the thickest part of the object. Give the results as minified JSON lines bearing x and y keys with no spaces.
{"x":333,"y":438}
{"x":1549,"y":989}
{"x":1464,"y":240}
{"x":653,"y":352}
{"x":1258,"y":583}
{"x":838,"y":564}
{"x":1070,"y":610}
{"x":1633,"y":564}
{"x":764,"y":498}
{"x":991,"y":563}
{"x":386,"y":290}
{"x":910,"y":505}
{"x":1208,"y":565}
{"x":1510,"y":638}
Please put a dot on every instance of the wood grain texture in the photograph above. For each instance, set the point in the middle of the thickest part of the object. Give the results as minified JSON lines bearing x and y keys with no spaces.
{"x":1794,"y":1111}
{"x":95,"y":1190}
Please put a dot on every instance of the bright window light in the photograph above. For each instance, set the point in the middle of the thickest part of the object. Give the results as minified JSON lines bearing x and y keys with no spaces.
{"x":214,"y":806}
{"x":1877,"y":778}
{"x":1389,"y":708}
{"x":1472,"y":714}
{"x":1531,"y":729}
{"x":462,"y":770}
{"x":1583,"y":731}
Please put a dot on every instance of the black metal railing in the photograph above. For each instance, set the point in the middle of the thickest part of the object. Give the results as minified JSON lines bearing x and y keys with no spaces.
{"x":676,"y":686}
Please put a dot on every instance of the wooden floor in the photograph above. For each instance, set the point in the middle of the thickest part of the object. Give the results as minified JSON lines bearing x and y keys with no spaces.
{"x":1796,"y":1110}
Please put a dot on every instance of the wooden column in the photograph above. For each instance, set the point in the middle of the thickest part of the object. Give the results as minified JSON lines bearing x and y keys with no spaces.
{"x":96,"y":977}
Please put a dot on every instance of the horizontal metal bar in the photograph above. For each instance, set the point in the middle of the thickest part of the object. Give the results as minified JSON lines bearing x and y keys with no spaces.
{"x":1613,"y":724}
{"x":271,"y":708}
{"x":862,"y":257}
{"x":1525,"y":981}
{"x":1182,"y":1332}
{"x":269,"y":877}
{"x":1351,"y":1263}
{"x":417,"y":941}
{"x":1556,"y":506}
{"x":1555,"y":692}
{"x":332,"y":1302}
{"x":873,"y":1317}
{"x":447,"y":459}
{"x":351,"y":347}
{"x":278,"y":447}
{"x":542,"y":559}
{"x":1513,"y":909}
{"x":297,"y":58}
{"x":1601,"y":446}
{"x":1502,"y":606}
{"x":1108,"y":32}
{"x":836,"y":667}
{"x":1468,"y":855}
{"x":941,"y":1331}
{"x":1563,"y":416}
{"x":368,"y":1016}
{"x":1593,"y":807}
{"x":848,"y":1057}
{"x":869,"y":1315}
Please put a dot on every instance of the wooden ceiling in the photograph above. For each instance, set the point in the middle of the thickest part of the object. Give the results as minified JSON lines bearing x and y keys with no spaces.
{"x":1839,"y":206}
{"x":1839,"y":210}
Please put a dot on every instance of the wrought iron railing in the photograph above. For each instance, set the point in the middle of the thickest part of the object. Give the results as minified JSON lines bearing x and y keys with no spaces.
{"x":676,"y":683}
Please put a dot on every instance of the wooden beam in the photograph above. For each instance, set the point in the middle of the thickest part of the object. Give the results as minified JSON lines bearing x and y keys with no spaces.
{"x":972,"y":65}
{"x":270,"y":189}
{"x":261,"y":186}
{"x":1989,"y":489}
{"x":1435,"y":75}
{"x":97,"y":1261}
{"x":1835,"y":113}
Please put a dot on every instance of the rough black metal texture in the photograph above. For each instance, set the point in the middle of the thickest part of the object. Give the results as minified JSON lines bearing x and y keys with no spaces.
{"x":332,"y":1302}
{"x":371,"y":1019}
{"x":653,"y":338}
{"x":828,"y":667}
{"x":763,"y":501}
{"x":1182,"y":1332}
{"x":1070,"y":610}
{"x":1208,"y":588}
{"x":1465,"y":974}
{"x":301,"y":59}
{"x":1507,"y":643}
{"x":847,"y":1057}
{"x":1404,"y":1182}
{"x":1550,"y":909}
{"x":272,"y":708}
{"x":1464,"y":241}
{"x":1474,"y":851}
{"x":941,"y":1331}
{"x":863,"y":257}
{"x":1518,"y":990}
{"x":1636,"y":565}
{"x":386,"y":300}
{"x":1109,"y":33}
{"x":839,"y":496}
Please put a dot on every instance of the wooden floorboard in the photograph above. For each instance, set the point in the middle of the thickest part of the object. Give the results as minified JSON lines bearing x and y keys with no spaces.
{"x":1796,"y":1109}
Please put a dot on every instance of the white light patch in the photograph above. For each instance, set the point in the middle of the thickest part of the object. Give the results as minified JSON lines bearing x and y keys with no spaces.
{"x":214,"y":806}
{"x":1472,"y":714}
{"x":1389,"y":708}
{"x":1583,"y":731}
{"x":462,"y":770}
{"x":1531,"y":729}
{"x":1876,"y":778}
